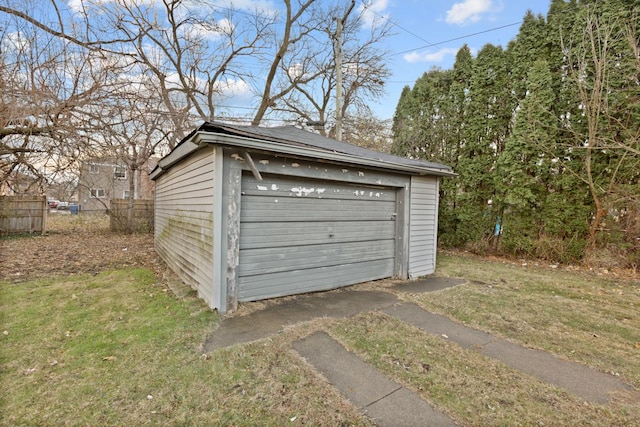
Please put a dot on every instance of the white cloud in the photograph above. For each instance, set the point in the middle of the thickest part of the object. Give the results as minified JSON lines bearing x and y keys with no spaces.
{"x":75,"y":5}
{"x":231,"y":88}
{"x":468,"y":11}
{"x":264,"y":7}
{"x":373,"y":11}
{"x":78,"y":6}
{"x":296,"y":70}
{"x":15,"y":42}
{"x":211,"y":31}
{"x":437,"y":56}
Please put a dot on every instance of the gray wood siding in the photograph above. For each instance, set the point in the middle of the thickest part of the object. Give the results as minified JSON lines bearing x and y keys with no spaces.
{"x":299,"y":235}
{"x":184,"y":221}
{"x":423,"y":225}
{"x":317,"y":170}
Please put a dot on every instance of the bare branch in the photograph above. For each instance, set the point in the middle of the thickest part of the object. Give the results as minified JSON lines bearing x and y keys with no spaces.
{"x":95,"y":45}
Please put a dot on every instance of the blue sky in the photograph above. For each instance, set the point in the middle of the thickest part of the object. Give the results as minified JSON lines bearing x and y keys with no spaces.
{"x":427,"y":33}
{"x":421,"y":23}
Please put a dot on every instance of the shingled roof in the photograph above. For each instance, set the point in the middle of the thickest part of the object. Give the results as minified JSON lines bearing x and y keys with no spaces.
{"x":296,"y":142}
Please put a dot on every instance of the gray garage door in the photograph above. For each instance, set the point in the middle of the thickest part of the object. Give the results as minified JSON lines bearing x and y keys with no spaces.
{"x":308,"y":235}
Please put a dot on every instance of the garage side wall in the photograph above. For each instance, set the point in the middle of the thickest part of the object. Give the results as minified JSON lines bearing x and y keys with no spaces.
{"x":184,"y":206}
{"x":423,"y":225}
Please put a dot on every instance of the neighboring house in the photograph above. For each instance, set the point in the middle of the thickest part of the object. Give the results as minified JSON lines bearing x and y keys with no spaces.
{"x":103,"y":180}
{"x":246,"y":213}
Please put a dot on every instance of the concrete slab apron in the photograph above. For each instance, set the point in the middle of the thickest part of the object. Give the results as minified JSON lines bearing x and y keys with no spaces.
{"x":263,"y":323}
{"x":383,"y":400}
{"x":337,"y":303}
{"x":589,"y":384}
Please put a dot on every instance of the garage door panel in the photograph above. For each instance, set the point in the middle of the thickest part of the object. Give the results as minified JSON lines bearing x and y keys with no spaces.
{"x":317,"y":279}
{"x":300,"y":235}
{"x":274,"y":186}
{"x":261,"y":261}
{"x":279,"y":234}
{"x":266,"y":209}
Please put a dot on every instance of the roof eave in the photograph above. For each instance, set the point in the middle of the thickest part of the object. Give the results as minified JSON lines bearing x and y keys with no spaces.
{"x":180,"y":152}
{"x":204,"y":137}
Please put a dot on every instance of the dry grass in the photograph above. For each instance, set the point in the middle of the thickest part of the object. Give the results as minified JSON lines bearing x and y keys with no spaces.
{"x":471,"y":388}
{"x":578,"y":315}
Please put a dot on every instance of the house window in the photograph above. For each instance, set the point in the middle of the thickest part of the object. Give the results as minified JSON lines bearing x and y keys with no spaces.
{"x":94,"y":169}
{"x":125,"y":194}
{"x":119,"y":172}
{"x":97,"y":193}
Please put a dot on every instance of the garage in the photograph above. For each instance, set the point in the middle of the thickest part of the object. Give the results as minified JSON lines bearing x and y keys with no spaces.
{"x":310,"y":235}
{"x":245,"y":213}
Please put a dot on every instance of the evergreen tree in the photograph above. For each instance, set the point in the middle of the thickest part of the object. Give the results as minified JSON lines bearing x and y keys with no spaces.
{"x":403,"y":125}
{"x":524,"y":171}
{"x":420,"y":123}
{"x":450,"y":189}
{"x":459,"y":101}
{"x":431,"y":92}
{"x":521,"y":165}
{"x":529,"y":46}
{"x":484,"y":136}
{"x":544,"y":136}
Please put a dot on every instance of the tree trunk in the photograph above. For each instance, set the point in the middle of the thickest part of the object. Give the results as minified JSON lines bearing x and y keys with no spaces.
{"x":131,"y":204}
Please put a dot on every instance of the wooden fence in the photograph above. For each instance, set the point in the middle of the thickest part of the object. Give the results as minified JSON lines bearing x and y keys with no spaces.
{"x":23,"y":214}
{"x":142,"y":215}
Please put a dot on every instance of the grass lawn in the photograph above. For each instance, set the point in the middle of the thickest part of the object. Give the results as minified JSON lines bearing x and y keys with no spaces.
{"x":117,"y":348}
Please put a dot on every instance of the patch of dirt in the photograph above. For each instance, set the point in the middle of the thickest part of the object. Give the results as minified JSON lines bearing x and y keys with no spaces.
{"x":73,"y":245}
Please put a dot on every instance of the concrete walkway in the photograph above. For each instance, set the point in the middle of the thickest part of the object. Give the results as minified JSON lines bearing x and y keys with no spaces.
{"x":589,"y":384}
{"x":382,"y":399}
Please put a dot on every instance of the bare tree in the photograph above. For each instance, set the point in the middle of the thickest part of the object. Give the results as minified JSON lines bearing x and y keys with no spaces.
{"x":301,"y":20}
{"x":49,"y":93}
{"x":307,"y":82}
{"x":63,"y":88}
{"x":193,"y":50}
{"x":80,"y":60}
{"x":133,"y":132}
{"x":54,"y":23}
{"x":606,"y":131}
{"x":365,"y":130}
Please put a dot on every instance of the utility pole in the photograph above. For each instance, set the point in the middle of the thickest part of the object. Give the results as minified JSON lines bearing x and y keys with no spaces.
{"x":338,"y":49}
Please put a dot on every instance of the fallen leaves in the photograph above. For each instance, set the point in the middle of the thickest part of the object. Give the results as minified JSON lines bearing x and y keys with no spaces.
{"x":90,"y":248}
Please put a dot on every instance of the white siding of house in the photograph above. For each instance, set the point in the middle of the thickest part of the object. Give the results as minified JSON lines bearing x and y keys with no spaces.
{"x":423,"y":225}
{"x":184,"y":206}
